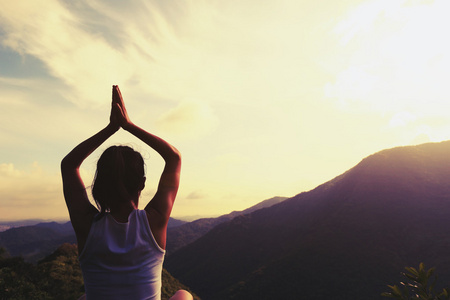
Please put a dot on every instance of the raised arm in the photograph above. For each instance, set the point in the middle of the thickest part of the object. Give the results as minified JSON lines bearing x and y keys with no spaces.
{"x":73,"y":186}
{"x":160,"y":207}
{"x":81,"y":211}
{"x":164,"y":198}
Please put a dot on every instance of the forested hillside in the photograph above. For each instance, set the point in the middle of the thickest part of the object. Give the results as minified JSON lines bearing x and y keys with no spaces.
{"x":56,"y":277}
{"x":346,"y":239}
{"x":180,"y":236}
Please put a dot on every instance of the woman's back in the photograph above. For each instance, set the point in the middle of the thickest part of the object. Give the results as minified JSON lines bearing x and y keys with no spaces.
{"x":122,"y":260}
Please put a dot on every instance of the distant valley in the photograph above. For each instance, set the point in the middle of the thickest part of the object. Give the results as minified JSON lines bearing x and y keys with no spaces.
{"x":5,"y":225}
{"x":33,"y":240}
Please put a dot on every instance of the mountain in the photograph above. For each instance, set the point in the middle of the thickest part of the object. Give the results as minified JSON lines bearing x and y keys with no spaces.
{"x":180,"y":236}
{"x":5,"y":225}
{"x":346,"y":239}
{"x":37,"y":241}
{"x":175,"y":222}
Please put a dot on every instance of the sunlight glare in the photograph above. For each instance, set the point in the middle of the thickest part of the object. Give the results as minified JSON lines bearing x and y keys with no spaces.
{"x":397,"y":57}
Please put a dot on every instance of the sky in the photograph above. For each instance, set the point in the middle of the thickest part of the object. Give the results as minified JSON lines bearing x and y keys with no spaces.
{"x":263,"y":98}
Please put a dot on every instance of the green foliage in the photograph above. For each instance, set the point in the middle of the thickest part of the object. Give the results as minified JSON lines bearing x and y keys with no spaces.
{"x":3,"y":253}
{"x":63,"y":278}
{"x":19,"y":280}
{"x":420,"y":285}
{"x":58,"y":276}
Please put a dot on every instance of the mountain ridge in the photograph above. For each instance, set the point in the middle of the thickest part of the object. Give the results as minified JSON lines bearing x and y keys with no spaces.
{"x":34,"y":242}
{"x":345,"y":239}
{"x":180,"y":236}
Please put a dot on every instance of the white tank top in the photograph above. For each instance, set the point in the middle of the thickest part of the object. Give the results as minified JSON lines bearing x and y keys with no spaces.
{"x":122,"y":260}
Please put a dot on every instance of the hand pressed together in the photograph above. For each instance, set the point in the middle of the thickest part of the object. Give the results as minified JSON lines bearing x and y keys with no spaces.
{"x":119,"y":116}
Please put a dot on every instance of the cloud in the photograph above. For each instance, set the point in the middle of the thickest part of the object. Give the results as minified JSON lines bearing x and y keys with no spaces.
{"x":402,"y":119}
{"x":169,"y":50}
{"x":8,"y":170}
{"x":353,"y":83}
{"x":48,"y":31}
{"x":90,"y":45}
{"x":31,"y":192}
{"x":361,"y":20}
{"x":189,"y":119}
{"x":195,"y":195}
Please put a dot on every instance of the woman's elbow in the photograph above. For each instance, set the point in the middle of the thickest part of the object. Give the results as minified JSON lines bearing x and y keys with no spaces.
{"x":175,"y":154}
{"x":67,"y":164}
{"x":174,"y":157}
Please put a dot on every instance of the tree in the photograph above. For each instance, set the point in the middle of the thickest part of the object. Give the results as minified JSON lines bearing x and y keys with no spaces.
{"x":58,"y":276}
{"x":420,"y":285}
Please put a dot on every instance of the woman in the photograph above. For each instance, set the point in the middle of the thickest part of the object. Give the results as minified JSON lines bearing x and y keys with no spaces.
{"x":121,"y":248}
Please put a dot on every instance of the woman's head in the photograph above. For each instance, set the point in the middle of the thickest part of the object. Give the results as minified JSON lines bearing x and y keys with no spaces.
{"x":119,"y":177}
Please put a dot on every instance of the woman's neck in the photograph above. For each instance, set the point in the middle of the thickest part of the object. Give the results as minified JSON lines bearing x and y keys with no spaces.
{"x":121,"y":213}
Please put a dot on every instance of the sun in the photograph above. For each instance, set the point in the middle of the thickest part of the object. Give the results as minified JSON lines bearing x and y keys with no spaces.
{"x":393,"y":57}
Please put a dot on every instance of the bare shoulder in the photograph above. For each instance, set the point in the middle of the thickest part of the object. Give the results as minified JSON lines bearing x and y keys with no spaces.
{"x":158,"y":226}
{"x":81,"y":224}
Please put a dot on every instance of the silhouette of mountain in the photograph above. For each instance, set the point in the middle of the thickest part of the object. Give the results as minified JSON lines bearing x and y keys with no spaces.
{"x":37,"y":241}
{"x":345,"y":239}
{"x":175,"y":222}
{"x":180,"y":236}
{"x":5,"y":225}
